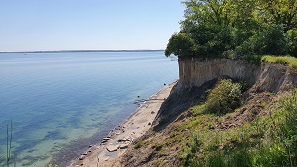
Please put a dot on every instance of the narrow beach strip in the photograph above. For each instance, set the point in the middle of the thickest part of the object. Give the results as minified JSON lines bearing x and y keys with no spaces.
{"x":107,"y":152}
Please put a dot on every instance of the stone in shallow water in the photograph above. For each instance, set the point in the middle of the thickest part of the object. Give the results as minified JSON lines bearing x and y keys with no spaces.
{"x":106,"y":138}
{"x":82,"y":157}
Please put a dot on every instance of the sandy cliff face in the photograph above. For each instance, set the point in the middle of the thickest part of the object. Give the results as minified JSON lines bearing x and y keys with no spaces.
{"x":163,"y":144}
{"x":261,"y":77}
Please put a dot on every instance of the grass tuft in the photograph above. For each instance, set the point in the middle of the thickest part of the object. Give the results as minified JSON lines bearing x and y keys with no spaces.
{"x":292,"y":61}
{"x":138,"y":144}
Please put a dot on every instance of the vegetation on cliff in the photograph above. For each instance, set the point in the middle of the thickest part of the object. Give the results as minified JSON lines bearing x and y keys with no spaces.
{"x":264,"y":135}
{"x":223,"y":123}
{"x":236,"y":29}
{"x":224,"y":98}
{"x":292,"y":61}
{"x":261,"y":131}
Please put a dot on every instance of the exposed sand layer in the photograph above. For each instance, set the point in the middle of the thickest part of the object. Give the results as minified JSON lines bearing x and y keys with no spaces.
{"x":108,"y":151}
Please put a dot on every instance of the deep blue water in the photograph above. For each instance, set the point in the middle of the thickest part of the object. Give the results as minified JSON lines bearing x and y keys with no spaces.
{"x":62,"y":102}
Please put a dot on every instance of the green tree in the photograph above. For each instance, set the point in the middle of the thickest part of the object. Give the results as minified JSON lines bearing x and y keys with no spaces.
{"x":278,"y":12}
{"x":292,"y":36}
{"x":180,"y":44}
{"x":274,"y":40}
{"x":216,"y":28}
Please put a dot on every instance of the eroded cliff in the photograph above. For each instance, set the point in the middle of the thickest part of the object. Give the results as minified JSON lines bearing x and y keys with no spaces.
{"x":261,"y":77}
{"x":172,"y":141}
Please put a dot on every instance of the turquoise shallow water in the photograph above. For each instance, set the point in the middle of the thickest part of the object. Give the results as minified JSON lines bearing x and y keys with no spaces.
{"x":70,"y":99}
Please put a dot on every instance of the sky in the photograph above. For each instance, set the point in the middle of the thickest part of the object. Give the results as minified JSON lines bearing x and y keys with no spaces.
{"x":47,"y":25}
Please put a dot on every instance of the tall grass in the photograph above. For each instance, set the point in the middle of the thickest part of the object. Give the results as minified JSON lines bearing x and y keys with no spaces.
{"x":8,"y":157}
{"x":267,"y":141}
{"x":292,"y":61}
{"x":8,"y":145}
{"x":6,"y":161}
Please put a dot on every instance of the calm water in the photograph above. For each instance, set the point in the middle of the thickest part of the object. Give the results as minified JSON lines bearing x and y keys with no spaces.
{"x":69,"y":100}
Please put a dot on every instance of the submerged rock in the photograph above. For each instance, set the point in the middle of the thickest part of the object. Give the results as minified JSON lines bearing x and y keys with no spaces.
{"x":82,"y":157}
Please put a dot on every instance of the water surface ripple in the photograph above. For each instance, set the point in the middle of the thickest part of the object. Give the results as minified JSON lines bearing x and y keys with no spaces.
{"x":59,"y":103}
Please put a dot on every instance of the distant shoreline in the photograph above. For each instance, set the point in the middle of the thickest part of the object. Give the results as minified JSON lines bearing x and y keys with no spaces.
{"x":71,"y":51}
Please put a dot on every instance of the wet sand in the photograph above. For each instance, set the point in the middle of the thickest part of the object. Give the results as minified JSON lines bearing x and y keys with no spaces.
{"x":107,"y":152}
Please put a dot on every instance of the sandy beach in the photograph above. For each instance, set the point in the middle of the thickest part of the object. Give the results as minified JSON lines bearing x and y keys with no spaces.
{"x":109,"y":149}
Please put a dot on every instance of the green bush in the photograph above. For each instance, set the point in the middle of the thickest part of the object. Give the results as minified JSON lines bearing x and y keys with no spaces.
{"x":138,"y":144}
{"x":225,"y":97}
{"x":292,"y":36}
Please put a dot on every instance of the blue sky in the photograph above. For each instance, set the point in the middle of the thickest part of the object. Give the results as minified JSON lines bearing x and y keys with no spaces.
{"x":31,"y":25}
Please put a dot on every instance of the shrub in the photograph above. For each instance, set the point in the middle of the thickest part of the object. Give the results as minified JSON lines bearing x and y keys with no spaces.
{"x":224,"y":98}
{"x":292,"y":36}
{"x":138,"y":144}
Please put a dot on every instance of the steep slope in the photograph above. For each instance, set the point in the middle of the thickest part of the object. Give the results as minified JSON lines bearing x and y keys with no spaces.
{"x":171,"y":143}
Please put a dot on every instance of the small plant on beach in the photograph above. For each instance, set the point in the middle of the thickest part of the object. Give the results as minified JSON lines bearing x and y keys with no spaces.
{"x":138,"y":144}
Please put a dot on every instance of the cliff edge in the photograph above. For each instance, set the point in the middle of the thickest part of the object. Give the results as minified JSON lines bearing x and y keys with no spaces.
{"x":262,"y":77}
{"x":184,"y":133}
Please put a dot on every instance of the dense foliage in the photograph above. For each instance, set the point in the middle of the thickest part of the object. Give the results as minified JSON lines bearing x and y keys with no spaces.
{"x":236,"y":29}
{"x":224,"y":98}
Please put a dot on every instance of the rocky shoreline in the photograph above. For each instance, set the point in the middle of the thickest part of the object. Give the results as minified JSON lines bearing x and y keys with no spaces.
{"x":108,"y":151}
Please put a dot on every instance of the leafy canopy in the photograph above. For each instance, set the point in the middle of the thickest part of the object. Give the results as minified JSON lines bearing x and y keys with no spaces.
{"x":236,"y":28}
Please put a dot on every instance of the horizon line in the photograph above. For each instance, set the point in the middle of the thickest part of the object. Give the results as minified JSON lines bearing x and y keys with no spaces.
{"x":100,"y":50}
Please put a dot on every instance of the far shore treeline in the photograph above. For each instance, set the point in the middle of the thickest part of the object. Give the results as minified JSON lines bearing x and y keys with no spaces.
{"x":236,"y":29}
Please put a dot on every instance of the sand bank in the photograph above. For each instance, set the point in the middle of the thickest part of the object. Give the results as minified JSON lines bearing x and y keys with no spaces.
{"x":109,"y":149}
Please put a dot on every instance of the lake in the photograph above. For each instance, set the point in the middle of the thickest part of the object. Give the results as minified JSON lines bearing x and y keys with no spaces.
{"x":59,"y":103}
